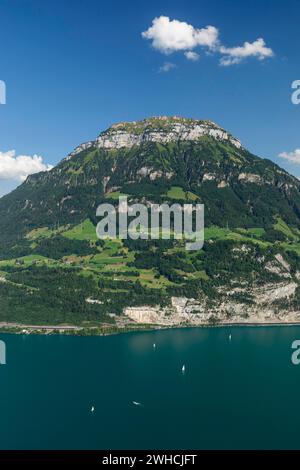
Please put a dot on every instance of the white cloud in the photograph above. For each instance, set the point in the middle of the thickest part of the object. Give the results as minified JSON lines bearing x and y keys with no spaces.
{"x":168,"y":36}
{"x":167,"y":66}
{"x":17,"y":168}
{"x":190,"y":55}
{"x":172,"y":35}
{"x":235,"y":55}
{"x":292,"y":157}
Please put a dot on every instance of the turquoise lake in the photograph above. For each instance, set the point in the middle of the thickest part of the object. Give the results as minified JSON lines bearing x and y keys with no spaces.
{"x":238,"y":394}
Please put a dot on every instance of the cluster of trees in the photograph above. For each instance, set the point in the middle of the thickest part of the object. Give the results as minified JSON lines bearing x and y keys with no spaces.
{"x":57,"y":246}
{"x":14,"y":249}
{"x":165,"y":264}
{"x":42,"y":295}
{"x":44,"y":307}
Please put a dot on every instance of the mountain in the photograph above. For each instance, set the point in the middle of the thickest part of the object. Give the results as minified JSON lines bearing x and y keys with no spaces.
{"x":54,"y":270}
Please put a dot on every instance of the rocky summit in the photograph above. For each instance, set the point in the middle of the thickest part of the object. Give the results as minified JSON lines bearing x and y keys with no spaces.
{"x":161,"y":129}
{"x":54,"y":270}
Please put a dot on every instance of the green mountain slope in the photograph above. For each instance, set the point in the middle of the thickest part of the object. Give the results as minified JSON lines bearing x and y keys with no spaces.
{"x":53,"y":269}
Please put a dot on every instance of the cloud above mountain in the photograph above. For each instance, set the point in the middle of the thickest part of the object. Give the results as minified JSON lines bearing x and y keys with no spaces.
{"x":167,"y":66}
{"x":292,"y":157}
{"x":18,"y":167}
{"x":190,"y":55}
{"x":169,"y":36}
{"x":235,"y":55}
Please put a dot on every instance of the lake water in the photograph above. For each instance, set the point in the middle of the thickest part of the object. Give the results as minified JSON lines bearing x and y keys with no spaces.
{"x":236,"y":394}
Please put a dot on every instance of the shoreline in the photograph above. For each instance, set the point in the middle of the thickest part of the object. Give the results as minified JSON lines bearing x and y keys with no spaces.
{"x":105,"y":330}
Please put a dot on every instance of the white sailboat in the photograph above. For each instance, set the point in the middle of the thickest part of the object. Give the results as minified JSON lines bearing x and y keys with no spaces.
{"x":154,"y":345}
{"x":136,"y":403}
{"x":229,"y":337}
{"x":92,"y":409}
{"x":183,"y":369}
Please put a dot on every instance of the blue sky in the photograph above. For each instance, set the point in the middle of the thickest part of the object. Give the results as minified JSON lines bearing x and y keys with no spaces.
{"x":72,"y":68}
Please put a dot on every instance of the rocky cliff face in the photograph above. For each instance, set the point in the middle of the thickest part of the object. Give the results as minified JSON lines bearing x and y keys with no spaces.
{"x":158,"y":129}
{"x":193,"y":312}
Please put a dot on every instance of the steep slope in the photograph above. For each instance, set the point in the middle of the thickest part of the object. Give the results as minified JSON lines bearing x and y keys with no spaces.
{"x":147,"y":159}
{"x":252,"y":219}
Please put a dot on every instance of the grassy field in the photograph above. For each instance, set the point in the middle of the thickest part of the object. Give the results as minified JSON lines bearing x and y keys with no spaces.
{"x":42,"y":232}
{"x":84,"y":231}
{"x":282,"y":227}
{"x":176,"y":192}
{"x":27,"y":261}
{"x":250,"y":235}
{"x":115,"y":195}
{"x":256,"y":232}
